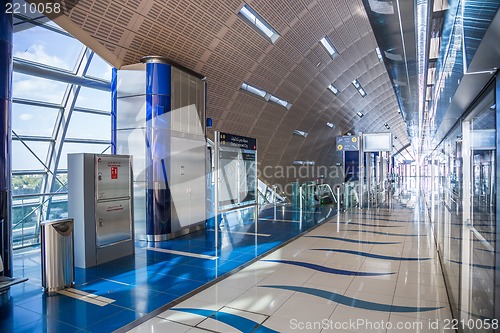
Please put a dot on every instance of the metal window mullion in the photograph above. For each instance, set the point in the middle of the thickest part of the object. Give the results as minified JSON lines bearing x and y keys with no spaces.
{"x":65,"y":117}
{"x":36,"y":103}
{"x":91,"y":111}
{"x":91,"y":141}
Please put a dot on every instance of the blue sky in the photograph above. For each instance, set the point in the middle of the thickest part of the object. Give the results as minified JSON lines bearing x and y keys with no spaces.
{"x":49,"y":48}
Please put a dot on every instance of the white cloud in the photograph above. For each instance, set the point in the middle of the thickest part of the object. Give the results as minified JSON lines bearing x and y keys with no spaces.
{"x":36,"y":53}
{"x":25,"y":116}
{"x":109,"y":72}
{"x":38,"y":89}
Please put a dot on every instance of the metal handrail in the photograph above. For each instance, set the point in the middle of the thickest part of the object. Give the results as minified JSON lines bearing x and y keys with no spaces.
{"x":37,"y":207}
{"x":329,"y":190}
{"x":34,"y":195}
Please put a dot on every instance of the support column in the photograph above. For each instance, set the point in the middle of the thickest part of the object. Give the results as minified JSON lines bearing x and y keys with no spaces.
{"x":158,"y":200}
{"x":114,"y":102}
{"x":497,"y":200}
{"x":6,"y":32}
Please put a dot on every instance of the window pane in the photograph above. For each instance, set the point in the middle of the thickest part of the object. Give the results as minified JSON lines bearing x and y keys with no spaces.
{"x":47,"y":47}
{"x":58,"y":208}
{"x":26,"y":184}
{"x":94,"y":99}
{"x":99,"y":68}
{"x":69,"y":148}
{"x":33,"y":120}
{"x":89,"y":126}
{"x":23,"y":159}
{"x":37,"y":89}
{"x":24,"y":220}
{"x":61,"y":183}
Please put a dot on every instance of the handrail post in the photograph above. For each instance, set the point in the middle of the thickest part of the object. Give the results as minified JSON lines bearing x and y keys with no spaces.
{"x":338,"y":200}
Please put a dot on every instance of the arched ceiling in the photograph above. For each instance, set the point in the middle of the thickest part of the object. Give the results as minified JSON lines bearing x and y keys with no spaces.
{"x":210,"y":38}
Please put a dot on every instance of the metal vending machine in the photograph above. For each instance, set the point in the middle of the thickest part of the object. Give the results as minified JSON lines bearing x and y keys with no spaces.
{"x":100,"y":201}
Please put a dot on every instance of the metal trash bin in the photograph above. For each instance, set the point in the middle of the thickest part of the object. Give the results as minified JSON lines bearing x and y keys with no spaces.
{"x":58,"y":269}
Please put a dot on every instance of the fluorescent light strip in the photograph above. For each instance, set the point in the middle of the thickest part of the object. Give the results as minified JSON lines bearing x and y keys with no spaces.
{"x":305,"y":163}
{"x":359,"y":88}
{"x":258,"y":23}
{"x":360,"y":114}
{"x":333,"y":89}
{"x":331,"y":125}
{"x":264,"y":94}
{"x":280,"y":102}
{"x":300,"y":133}
{"x":379,"y":54}
{"x":327,"y":44}
{"x":254,"y":90}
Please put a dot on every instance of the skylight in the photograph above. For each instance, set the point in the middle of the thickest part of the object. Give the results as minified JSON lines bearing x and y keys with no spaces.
{"x":327,"y":44}
{"x":258,"y":23}
{"x":359,"y":88}
{"x":379,"y":54}
{"x":254,"y":90}
{"x":264,"y":94}
{"x":300,"y":133}
{"x":333,"y":89}
{"x":304,"y":163}
{"x":280,"y":102}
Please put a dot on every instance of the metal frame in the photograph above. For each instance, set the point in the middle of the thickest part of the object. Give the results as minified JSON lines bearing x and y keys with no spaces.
{"x":497,"y":208}
{"x":75,"y":80}
{"x":217,"y":209}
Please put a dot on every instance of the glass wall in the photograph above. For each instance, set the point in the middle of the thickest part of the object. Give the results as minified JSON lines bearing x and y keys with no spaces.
{"x":462,"y":199}
{"x":51,"y":118}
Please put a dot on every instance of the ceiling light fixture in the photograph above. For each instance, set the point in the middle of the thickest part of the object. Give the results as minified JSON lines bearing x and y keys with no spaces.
{"x":300,"y":133}
{"x":379,"y":54}
{"x":258,"y":23}
{"x":359,"y":88}
{"x":333,"y":89}
{"x":327,"y":44}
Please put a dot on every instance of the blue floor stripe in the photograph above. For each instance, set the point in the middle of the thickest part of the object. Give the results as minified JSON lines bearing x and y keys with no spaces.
{"x":472,"y":265}
{"x":385,"y":233}
{"x":389,"y":220}
{"x":326,"y":269}
{"x":241,"y":323}
{"x":369,"y":224}
{"x":354,"y":240}
{"x":353,"y":302}
{"x":372,"y":255}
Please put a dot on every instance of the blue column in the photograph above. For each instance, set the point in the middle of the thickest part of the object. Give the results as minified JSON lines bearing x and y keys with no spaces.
{"x":497,"y":206}
{"x":113,"y":110}
{"x":158,"y":201}
{"x":6,"y":31}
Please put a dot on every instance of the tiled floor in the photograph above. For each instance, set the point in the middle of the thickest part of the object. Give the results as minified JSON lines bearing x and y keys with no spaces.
{"x":150,"y":279}
{"x":371,"y":270}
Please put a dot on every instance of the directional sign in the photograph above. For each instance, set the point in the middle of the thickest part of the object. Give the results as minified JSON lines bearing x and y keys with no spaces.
{"x":347,"y":143}
{"x":237,"y":141}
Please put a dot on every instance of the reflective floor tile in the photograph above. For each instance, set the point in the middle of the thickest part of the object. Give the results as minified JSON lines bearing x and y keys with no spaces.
{"x":228,"y":320}
{"x":157,"y":324}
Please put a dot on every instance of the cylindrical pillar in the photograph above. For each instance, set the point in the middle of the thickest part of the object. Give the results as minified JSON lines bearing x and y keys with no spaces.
{"x":158,"y":201}
{"x":6,"y":31}
{"x":114,"y":105}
